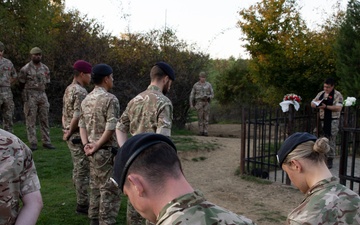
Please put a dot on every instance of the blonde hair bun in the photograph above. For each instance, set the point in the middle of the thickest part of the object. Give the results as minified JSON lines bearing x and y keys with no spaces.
{"x":322,"y":146}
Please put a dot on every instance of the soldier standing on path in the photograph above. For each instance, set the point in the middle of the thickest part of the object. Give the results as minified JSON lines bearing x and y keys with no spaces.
{"x":330,"y":112}
{"x":33,"y":77}
{"x":150,"y":111}
{"x":74,"y":94}
{"x":100,"y":112}
{"x":7,"y":78}
{"x":200,"y":97}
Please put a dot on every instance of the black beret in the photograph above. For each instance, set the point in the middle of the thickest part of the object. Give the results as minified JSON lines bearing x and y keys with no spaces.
{"x":131,"y":149}
{"x":167,"y":69}
{"x":291,"y":142}
{"x":101,"y":70}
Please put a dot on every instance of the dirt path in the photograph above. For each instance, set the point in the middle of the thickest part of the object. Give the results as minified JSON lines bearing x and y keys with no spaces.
{"x":215,"y":176}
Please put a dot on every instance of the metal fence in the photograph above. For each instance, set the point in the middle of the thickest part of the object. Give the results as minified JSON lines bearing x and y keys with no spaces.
{"x":264,"y":130}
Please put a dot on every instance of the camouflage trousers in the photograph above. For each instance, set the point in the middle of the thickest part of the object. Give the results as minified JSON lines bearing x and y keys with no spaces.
{"x":104,"y":195}
{"x":7,"y":108}
{"x":332,"y":139}
{"x":81,"y":171}
{"x":36,"y":106}
{"x":134,"y":218}
{"x":203,"y":111}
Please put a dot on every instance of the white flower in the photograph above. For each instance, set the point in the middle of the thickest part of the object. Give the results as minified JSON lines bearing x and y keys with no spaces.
{"x":350,"y":101}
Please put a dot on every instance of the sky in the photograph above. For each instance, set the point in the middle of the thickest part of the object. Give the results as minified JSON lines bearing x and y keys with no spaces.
{"x":211,"y":25}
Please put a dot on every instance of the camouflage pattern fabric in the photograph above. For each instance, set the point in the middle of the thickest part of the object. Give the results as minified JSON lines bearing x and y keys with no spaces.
{"x":35,"y":100}
{"x":35,"y":77}
{"x":7,"y":107}
{"x":192,"y":208}
{"x":149,"y":111}
{"x":73,"y":96}
{"x":99,"y":112}
{"x":327,"y":202}
{"x":37,"y":106}
{"x":18,"y":176}
{"x":7,"y":73}
{"x":338,"y":100}
{"x":200,"y":97}
{"x":332,"y":138}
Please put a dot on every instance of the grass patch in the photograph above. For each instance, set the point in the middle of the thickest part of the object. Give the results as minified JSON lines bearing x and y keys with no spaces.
{"x":54,"y":169}
{"x":255,"y":179}
{"x":188,"y":143}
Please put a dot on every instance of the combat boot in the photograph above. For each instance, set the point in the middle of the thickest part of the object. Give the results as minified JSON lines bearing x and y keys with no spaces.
{"x":33,"y":146}
{"x":94,"y":222}
{"x":82,"y":209}
{"x":49,"y":146}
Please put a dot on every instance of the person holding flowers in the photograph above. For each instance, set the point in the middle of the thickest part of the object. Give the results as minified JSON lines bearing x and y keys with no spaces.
{"x":330,"y":111}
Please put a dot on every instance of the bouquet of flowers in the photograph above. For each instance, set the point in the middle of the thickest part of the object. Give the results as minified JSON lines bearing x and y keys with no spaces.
{"x":350,"y":101}
{"x":290,"y":99}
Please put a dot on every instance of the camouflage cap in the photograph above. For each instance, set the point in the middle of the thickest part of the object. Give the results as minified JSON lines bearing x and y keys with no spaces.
{"x":2,"y":46}
{"x":202,"y":74}
{"x":35,"y":50}
{"x":131,"y":149}
{"x":291,"y":143}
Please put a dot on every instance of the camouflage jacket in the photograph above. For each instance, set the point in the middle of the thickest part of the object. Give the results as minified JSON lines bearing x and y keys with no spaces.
{"x":73,"y":96}
{"x":18,"y":176}
{"x":149,"y":111}
{"x":192,"y":208}
{"x":338,"y":100}
{"x":35,"y":78}
{"x":100,"y":111}
{"x":201,"y":92}
{"x":327,"y":202}
{"x":7,"y":72}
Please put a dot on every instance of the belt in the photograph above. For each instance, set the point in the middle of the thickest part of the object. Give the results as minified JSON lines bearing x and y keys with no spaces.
{"x":331,"y":119}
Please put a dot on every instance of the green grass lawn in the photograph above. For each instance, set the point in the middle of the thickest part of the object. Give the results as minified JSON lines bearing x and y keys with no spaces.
{"x":54,"y":169}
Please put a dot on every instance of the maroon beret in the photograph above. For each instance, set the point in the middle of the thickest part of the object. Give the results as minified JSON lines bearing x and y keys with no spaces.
{"x":82,"y":66}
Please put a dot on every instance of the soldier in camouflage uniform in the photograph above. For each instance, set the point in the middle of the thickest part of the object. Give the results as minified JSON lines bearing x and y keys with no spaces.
{"x":18,"y":182}
{"x":74,"y":94}
{"x":330,"y":111}
{"x":302,"y":156}
{"x":100,"y":112}
{"x":7,"y":77}
{"x":200,"y":97}
{"x":148,"y":170}
{"x":149,"y":111}
{"x":33,"y":77}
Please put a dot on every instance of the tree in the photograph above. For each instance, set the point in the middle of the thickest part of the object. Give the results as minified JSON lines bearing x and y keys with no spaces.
{"x":286,"y":56}
{"x":348,"y":51}
{"x":234,"y":85}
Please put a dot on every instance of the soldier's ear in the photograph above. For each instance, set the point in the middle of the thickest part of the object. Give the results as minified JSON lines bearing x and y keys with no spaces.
{"x":136,"y":184}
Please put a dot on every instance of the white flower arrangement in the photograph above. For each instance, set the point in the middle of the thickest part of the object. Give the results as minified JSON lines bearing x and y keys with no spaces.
{"x":350,"y":101}
{"x":292,"y":99}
